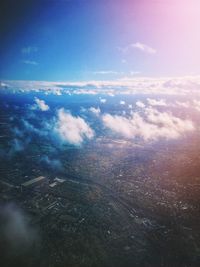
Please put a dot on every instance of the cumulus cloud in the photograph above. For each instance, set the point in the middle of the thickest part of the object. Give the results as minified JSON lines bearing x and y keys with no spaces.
{"x":64,"y":127}
{"x":102,"y":100}
{"x":130,"y":106}
{"x":122,"y":102}
{"x":152,"y":126}
{"x":154,"y":102}
{"x":140,"y":104}
{"x":40,"y":104}
{"x":94,"y":110}
{"x":72,"y":129}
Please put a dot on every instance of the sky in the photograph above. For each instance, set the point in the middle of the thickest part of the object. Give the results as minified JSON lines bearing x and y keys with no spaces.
{"x":79,"y":40}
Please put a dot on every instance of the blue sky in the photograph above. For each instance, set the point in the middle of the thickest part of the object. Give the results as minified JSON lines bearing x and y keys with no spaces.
{"x":98,"y":40}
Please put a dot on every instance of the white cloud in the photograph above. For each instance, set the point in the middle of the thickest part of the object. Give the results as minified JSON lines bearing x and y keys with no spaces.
{"x":2,"y":85}
{"x":30,"y":62}
{"x":122,"y":102}
{"x":140,"y":46}
{"x":154,"y":102}
{"x":132,"y":73}
{"x":196,"y":104}
{"x":186,"y":85}
{"x":102,"y":100}
{"x":29,"y":49}
{"x":64,"y":127}
{"x":144,"y":48}
{"x":72,"y":129}
{"x":152,"y":126}
{"x":94,"y":110}
{"x":183,"y":104}
{"x":140,"y":104}
{"x":107,"y":72}
{"x":41,"y":104}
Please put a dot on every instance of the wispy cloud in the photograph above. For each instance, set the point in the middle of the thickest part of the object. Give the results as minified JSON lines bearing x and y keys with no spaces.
{"x":29,"y":49}
{"x":140,"y":46}
{"x":144,"y":48}
{"x":104,"y":72}
{"x":30,"y":62}
{"x":16,"y":231}
{"x":116,"y":73}
{"x":54,"y":164}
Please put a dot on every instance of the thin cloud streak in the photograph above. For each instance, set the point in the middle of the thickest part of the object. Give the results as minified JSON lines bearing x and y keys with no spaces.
{"x":30,"y":62}
{"x":29,"y":49}
{"x":139,"y":46}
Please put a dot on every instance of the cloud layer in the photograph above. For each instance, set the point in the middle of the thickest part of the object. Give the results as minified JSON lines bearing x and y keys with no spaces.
{"x":125,"y":85}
